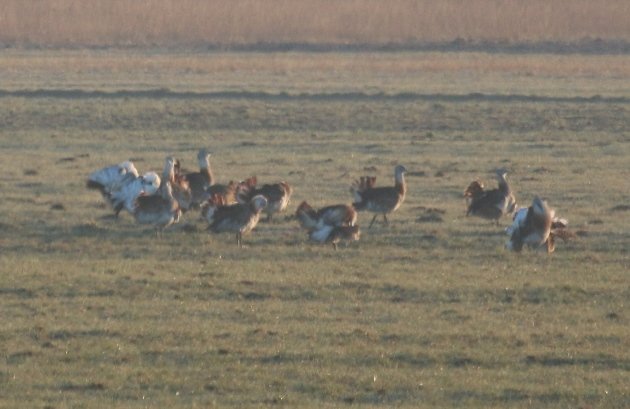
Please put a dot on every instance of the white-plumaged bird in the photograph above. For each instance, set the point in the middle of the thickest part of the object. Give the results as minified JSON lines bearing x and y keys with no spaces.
{"x":112,"y":177}
{"x":125,"y":196}
{"x":536,"y":227}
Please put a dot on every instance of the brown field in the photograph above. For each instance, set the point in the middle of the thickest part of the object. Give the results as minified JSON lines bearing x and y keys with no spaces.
{"x":177,"y":23}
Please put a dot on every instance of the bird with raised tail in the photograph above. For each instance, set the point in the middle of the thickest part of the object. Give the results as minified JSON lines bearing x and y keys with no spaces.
{"x":536,"y":227}
{"x":111,"y":178}
{"x":148,"y":185}
{"x":380,"y":200}
{"x":125,"y":197}
{"x":330,"y":224}
{"x":490,"y":204}
{"x":117,"y":182}
{"x":239,"y":218}
{"x":277,"y":195}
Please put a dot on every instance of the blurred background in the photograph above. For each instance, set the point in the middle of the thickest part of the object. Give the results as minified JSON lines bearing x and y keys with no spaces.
{"x":299,"y":23}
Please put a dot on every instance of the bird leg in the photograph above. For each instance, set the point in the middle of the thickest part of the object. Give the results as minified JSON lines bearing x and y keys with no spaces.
{"x":372,"y":222}
{"x":334,"y":246}
{"x":385,"y":218}
{"x":117,"y":210}
{"x":239,"y":242}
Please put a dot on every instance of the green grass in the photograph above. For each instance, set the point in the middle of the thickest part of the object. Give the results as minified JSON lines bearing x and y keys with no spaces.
{"x":423,"y":313}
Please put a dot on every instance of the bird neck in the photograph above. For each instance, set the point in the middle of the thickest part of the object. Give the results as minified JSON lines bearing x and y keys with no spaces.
{"x":401,"y":185}
{"x":503,"y":184}
{"x":206,"y":171}
{"x":167,"y":192}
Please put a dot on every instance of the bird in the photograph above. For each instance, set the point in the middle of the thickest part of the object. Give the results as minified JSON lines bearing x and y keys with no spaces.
{"x":111,"y":177}
{"x":379,"y":200}
{"x":559,"y":230}
{"x":160,"y":209}
{"x":125,"y":196}
{"x":490,"y":204}
{"x":180,"y":186}
{"x":228,"y":192}
{"x":202,"y":184}
{"x":334,"y":234}
{"x":537,"y":227}
{"x":329,"y":224}
{"x":239,"y":218}
{"x":277,"y":195}
{"x":147,"y":185}
{"x":334,"y":215}
{"x":197,"y":182}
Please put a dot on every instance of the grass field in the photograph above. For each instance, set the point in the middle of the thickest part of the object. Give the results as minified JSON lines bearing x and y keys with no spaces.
{"x":428,"y":312}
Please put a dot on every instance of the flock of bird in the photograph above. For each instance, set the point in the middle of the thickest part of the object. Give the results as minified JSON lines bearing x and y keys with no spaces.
{"x":236,"y":207}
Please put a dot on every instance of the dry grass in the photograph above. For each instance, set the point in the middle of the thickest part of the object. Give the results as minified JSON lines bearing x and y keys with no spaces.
{"x":190,"y":22}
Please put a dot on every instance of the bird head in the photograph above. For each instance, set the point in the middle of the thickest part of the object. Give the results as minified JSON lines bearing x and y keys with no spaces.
{"x":259,"y":202}
{"x":400,"y":169}
{"x":501,"y":173}
{"x":203,"y":157}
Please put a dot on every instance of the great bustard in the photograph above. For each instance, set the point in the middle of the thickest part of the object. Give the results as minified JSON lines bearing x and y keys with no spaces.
{"x":330,"y":224}
{"x":160,"y":209}
{"x":277,"y":195}
{"x":537,"y":227}
{"x":490,"y":204}
{"x":239,"y":218}
{"x":379,"y":200}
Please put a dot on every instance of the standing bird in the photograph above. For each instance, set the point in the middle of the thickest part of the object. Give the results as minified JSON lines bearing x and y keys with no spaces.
{"x":329,"y":224}
{"x":490,"y":204}
{"x":179,"y":185}
{"x":198,"y":182}
{"x":239,"y":218}
{"x":161,"y":209}
{"x":202,"y":184}
{"x":379,"y":200}
{"x":277,"y":195}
